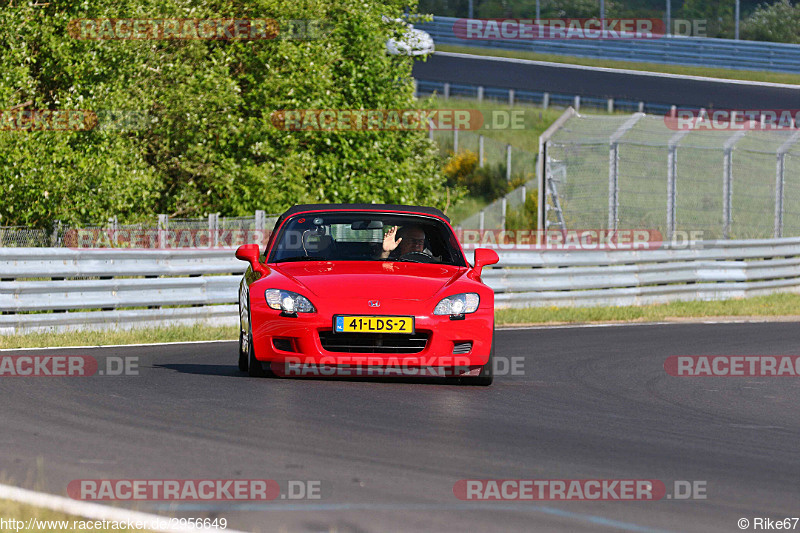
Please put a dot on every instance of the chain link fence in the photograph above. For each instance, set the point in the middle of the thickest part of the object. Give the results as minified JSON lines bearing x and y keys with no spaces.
{"x":162,"y":232}
{"x":639,"y":172}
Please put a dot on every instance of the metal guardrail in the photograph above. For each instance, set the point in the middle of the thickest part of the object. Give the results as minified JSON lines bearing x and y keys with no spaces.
{"x":697,"y":51}
{"x":186,"y":292}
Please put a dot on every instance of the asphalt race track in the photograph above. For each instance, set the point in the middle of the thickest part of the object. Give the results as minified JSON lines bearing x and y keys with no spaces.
{"x":593,"y":403}
{"x":605,"y":83}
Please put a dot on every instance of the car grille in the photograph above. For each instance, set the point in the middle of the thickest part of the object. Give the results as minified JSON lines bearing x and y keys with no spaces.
{"x":460,"y":348}
{"x":372,"y":342}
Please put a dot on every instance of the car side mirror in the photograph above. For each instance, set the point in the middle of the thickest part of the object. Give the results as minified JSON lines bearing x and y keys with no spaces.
{"x":250,"y":253}
{"x":484,"y":257}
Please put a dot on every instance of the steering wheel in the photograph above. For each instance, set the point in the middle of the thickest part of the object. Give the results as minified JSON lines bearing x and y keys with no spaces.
{"x":416,"y":257}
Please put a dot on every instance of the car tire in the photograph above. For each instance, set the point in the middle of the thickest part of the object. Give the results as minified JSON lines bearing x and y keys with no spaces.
{"x":243,"y":355}
{"x":254,"y":367}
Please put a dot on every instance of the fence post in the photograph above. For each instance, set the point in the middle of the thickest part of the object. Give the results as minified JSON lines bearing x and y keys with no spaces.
{"x":508,"y":162}
{"x":163,"y":227}
{"x":446,"y":91}
{"x":778,"y":229}
{"x":672,"y":179}
{"x":480,"y":93}
{"x":504,"y":204}
{"x":112,"y":225}
{"x":641,"y":107}
{"x":577,"y":104}
{"x":213,"y":227}
{"x":780,"y":182}
{"x":260,"y":225}
{"x":545,"y":100}
{"x":54,"y":236}
{"x":727,"y":183}
{"x":511,"y":97}
{"x":481,"y":220}
{"x":430,"y":129}
{"x":455,"y":140}
{"x":610,"y":105}
{"x":480,"y":151}
{"x":613,"y":169}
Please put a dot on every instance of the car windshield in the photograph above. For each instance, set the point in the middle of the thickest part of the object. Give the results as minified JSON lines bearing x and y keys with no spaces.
{"x":366,"y":237}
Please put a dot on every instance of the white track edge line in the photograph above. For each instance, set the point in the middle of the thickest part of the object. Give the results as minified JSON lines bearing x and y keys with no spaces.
{"x":94,"y":511}
{"x":623,"y":70}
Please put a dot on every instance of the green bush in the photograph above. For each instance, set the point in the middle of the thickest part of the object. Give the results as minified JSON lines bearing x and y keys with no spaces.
{"x":525,"y":217}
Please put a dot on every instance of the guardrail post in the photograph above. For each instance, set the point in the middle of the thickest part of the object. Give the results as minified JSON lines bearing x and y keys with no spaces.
{"x":641,"y":107}
{"x":480,"y":151}
{"x":511,"y":97}
{"x":577,"y":104}
{"x":416,"y":88}
{"x":610,"y":105}
{"x":455,"y":140}
{"x":446,"y":91}
{"x":480,"y":93}
{"x":545,"y":100}
{"x":727,"y":183}
{"x":163,"y":228}
{"x":508,"y":162}
{"x":780,"y":182}
{"x":673,"y":111}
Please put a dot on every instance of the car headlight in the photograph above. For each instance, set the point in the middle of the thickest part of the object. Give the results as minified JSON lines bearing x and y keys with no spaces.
{"x":458,"y":304}
{"x":288,"y":301}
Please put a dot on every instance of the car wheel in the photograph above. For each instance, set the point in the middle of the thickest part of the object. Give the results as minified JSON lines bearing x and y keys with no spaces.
{"x":243,"y":355}
{"x":244,"y":327}
{"x":254,"y":367}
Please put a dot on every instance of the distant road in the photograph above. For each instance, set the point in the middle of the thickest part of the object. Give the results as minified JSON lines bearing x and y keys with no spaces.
{"x":651,"y":87}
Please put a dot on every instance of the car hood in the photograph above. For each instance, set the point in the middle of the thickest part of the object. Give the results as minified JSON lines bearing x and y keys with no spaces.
{"x":371,"y":279}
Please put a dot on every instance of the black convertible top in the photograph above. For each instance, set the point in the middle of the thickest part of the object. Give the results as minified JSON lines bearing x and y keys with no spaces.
{"x":361,"y":207}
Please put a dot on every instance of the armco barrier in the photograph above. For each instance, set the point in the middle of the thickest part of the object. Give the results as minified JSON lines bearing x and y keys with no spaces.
{"x":178,"y":287}
{"x":697,"y":51}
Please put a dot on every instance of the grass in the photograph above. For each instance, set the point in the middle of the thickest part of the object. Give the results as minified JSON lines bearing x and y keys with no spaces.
{"x":13,"y":510}
{"x":535,"y":121}
{"x":774,"y":305}
{"x":782,"y":304}
{"x":105,"y":338}
{"x":749,"y":75}
{"x":467,"y":206}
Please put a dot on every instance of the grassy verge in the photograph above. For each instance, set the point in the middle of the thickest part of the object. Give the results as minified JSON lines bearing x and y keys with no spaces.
{"x":105,"y":338}
{"x":774,"y":305}
{"x":17,"y":511}
{"x":784,"y":304}
{"x":749,"y":75}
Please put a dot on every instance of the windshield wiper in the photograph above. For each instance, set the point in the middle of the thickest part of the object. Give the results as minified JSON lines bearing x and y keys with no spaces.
{"x":303,"y":258}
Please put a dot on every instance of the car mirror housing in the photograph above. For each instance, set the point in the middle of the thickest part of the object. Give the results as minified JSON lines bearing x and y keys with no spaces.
{"x":250,"y":253}
{"x":484,"y":257}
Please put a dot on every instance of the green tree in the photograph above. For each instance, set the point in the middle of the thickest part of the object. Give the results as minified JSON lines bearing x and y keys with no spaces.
{"x":208,"y":144}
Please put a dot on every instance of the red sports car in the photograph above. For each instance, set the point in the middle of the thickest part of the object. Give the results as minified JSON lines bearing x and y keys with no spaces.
{"x":366,"y":289}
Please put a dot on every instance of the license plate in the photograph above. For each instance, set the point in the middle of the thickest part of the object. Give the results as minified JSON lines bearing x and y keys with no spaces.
{"x":373,"y":324}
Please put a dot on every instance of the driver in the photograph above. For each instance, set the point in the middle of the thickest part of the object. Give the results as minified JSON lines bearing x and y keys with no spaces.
{"x":405,"y":240}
